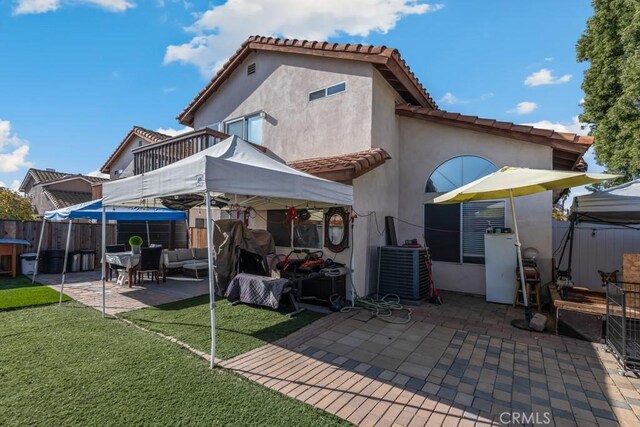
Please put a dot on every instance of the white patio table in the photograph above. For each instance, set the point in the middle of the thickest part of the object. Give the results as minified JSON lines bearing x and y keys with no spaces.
{"x":127,"y":260}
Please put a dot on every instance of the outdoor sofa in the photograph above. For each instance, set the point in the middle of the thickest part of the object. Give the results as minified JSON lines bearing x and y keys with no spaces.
{"x":174,"y":260}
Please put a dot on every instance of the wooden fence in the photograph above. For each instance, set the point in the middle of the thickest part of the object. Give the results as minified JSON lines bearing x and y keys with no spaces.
{"x":83,"y":235}
{"x":197,"y":237}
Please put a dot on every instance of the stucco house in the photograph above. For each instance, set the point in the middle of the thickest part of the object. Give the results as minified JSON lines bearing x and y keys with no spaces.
{"x":357,"y":114}
{"x":49,"y":189}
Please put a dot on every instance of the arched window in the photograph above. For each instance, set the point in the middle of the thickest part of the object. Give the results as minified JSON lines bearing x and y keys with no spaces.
{"x":455,"y":232}
{"x":457,"y":172}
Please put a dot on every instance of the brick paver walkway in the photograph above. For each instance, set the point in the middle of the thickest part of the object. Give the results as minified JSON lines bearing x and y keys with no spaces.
{"x":86,"y":288}
{"x":456,"y":364}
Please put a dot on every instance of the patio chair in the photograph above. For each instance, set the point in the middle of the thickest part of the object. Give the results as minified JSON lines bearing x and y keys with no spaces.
{"x":149,"y":263}
{"x":112,"y":268}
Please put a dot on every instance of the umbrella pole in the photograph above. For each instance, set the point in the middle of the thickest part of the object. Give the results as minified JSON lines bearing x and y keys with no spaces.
{"x":527,"y":309}
{"x":64,"y":266}
{"x":148,"y":235}
{"x":212,"y":278}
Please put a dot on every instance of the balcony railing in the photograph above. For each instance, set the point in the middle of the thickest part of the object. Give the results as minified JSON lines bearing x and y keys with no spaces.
{"x":154,"y":156}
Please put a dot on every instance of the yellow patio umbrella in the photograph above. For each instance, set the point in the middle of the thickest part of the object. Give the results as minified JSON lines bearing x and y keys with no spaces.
{"x":510,"y":182}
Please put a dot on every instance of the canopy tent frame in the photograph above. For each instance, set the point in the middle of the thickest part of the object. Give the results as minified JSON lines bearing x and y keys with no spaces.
{"x":617,"y":206}
{"x":89,"y":210}
{"x":233,"y":167}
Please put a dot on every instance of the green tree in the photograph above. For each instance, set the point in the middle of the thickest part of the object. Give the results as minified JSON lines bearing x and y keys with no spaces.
{"x":611,"y":45}
{"x":15,"y":206}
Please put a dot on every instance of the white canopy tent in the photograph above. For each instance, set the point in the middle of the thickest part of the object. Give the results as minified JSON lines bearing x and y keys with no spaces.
{"x":237,"y":170}
{"x":616,"y":205}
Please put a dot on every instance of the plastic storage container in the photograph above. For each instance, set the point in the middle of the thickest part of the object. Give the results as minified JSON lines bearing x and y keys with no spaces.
{"x":53,"y":261}
{"x":74,"y":262}
{"x":88,"y":259}
{"x":28,"y":263}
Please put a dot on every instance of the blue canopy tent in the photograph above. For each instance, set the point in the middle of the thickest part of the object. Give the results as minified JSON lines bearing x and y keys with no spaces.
{"x":93,"y":210}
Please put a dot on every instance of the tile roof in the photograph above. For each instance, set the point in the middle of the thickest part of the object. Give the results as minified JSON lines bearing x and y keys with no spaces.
{"x":146,"y":134}
{"x":568,"y":147}
{"x":343,"y":167}
{"x":41,"y":176}
{"x":62,"y":199}
{"x":385,"y":59}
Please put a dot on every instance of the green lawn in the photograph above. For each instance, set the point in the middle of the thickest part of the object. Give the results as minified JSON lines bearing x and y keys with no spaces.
{"x":19,"y":292}
{"x":68,"y":366}
{"x":239,"y":328}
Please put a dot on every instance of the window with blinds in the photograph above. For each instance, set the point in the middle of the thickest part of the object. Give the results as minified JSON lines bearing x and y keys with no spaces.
{"x":476,"y":217}
{"x":455,"y":233}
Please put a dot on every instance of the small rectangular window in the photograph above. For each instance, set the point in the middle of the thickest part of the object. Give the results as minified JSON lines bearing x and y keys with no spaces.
{"x":251,"y":69}
{"x":340,"y":87}
{"x":200,"y":223}
{"x":254,"y":129}
{"x":235,"y":128}
{"x":317,"y":94}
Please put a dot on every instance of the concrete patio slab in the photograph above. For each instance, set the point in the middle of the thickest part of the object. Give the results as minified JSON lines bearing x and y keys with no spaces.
{"x":456,"y":364}
{"x":86,"y":288}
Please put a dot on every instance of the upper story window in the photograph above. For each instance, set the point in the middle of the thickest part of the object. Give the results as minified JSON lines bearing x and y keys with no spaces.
{"x":248,"y":128}
{"x":328,"y":91}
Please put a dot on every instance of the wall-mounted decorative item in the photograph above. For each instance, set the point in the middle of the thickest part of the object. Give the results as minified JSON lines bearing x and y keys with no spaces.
{"x":336,"y":229}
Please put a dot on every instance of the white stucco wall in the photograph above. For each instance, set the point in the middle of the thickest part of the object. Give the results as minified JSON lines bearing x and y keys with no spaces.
{"x":424,"y":146}
{"x":296,"y":128}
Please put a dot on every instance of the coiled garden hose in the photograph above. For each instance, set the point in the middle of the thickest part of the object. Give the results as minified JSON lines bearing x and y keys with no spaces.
{"x":383,"y":308}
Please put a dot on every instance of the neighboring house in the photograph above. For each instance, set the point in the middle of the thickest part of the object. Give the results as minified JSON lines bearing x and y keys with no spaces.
{"x":49,"y":189}
{"x":357,"y":114}
{"x":120,"y":162}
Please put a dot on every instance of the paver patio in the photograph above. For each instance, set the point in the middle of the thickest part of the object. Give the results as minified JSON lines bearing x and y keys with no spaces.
{"x":456,"y":364}
{"x":86,"y":288}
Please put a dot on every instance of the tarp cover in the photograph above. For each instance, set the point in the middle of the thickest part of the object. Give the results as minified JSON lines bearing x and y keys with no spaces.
{"x":93,"y":210}
{"x":616,"y":205}
{"x":231,"y":235}
{"x":232,"y":167}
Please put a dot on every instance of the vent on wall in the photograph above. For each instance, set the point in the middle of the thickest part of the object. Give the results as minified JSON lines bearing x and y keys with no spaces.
{"x":251,"y":68}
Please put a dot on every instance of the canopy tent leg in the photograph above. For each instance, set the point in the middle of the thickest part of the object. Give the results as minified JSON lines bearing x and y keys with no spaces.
{"x":35,"y":266}
{"x":148,"y":235}
{"x":527,"y":310}
{"x":186,"y":223}
{"x":104,"y":258}
{"x":212,"y":278}
{"x":64,"y":267}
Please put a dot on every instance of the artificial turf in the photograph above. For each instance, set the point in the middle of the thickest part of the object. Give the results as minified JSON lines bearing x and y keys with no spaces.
{"x":68,"y":366}
{"x":20,"y":292}
{"x":239,"y":328}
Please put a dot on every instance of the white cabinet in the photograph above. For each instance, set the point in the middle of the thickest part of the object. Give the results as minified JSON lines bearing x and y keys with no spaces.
{"x":500,"y":267}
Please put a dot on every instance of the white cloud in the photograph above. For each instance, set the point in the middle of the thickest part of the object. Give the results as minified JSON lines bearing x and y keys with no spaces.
{"x":24,"y":7}
{"x":15,"y":185}
{"x":13,"y":150}
{"x":174,"y":132}
{"x":169,"y":89}
{"x":525,"y":107}
{"x":220,"y":30}
{"x":450,"y":99}
{"x":572,"y":127}
{"x":545,"y":77}
{"x":549,"y":58}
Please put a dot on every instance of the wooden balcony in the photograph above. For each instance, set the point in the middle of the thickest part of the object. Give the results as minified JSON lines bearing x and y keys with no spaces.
{"x":154,"y":156}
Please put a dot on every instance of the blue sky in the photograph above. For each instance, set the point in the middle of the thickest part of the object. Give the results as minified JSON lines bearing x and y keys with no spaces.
{"x":76,"y":75}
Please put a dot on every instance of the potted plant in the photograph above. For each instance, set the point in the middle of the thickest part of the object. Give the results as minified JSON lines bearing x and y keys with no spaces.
{"x":135,"y":242}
